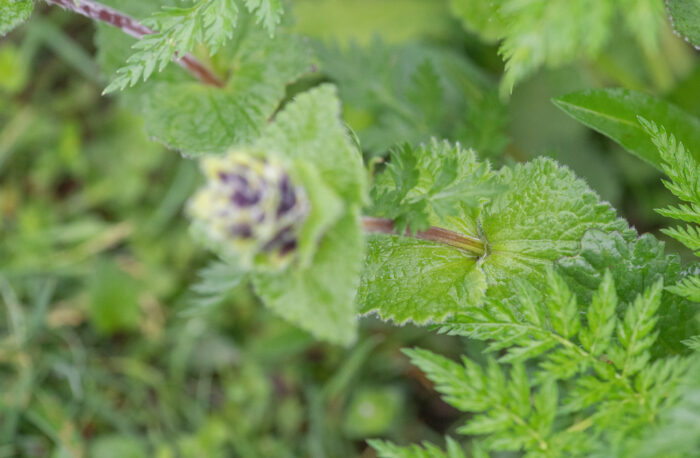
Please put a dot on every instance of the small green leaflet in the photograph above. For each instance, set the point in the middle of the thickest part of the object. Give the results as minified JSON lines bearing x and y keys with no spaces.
{"x":525,"y":228}
{"x":386,"y":449}
{"x":480,"y":17}
{"x":194,"y":119}
{"x":13,"y":13}
{"x":602,"y":360}
{"x":685,"y":16}
{"x":267,"y":12}
{"x":684,"y":182}
{"x":179,"y":29}
{"x":614,"y":112}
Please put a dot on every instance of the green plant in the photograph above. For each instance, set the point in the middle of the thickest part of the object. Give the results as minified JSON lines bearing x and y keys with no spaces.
{"x":590,"y":330}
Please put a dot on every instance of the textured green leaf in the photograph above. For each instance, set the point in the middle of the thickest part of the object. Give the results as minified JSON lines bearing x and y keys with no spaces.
{"x":541,"y":217}
{"x":193,"y":118}
{"x":685,"y":15}
{"x":309,"y":128}
{"x":614,"y":112}
{"x":13,"y":13}
{"x":326,"y":208}
{"x":318,"y":293}
{"x":414,"y":280}
{"x":635,"y":265}
{"x":320,"y":298}
{"x":525,"y":229}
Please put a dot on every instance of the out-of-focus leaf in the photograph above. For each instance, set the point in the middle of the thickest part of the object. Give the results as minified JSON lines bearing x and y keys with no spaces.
{"x":13,"y":13}
{"x":685,"y":15}
{"x":614,"y":112}
{"x":114,"y":302}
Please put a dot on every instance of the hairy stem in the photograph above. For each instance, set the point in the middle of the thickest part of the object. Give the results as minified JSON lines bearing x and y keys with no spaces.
{"x":99,"y":12}
{"x":433,"y":234}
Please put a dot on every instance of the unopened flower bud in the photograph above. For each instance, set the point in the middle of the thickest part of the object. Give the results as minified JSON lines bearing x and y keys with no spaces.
{"x":251,"y":205}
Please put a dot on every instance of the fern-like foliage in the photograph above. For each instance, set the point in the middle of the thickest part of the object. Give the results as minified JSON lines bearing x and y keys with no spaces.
{"x":537,"y":33}
{"x":388,"y":450}
{"x":412,"y":92}
{"x":561,"y":383}
{"x":683,"y":171}
{"x":179,"y":29}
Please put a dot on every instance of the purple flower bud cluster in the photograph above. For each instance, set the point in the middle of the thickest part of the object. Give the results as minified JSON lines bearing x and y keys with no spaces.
{"x":251,"y":205}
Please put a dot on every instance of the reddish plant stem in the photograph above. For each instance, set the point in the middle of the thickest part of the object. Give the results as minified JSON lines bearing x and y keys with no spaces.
{"x":433,"y":234}
{"x":99,"y":12}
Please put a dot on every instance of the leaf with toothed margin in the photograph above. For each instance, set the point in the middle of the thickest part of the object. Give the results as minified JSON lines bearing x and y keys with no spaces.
{"x":318,"y":293}
{"x":194,"y":118}
{"x":685,"y":16}
{"x":14,"y":13}
{"x":320,"y":298}
{"x":635,"y":266}
{"x":420,"y":281}
{"x":540,"y":217}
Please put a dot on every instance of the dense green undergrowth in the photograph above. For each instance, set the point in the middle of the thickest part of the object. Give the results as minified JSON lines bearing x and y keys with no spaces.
{"x":358,"y":250}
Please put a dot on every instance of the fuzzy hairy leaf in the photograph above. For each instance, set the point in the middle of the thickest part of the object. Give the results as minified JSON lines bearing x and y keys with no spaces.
{"x":525,"y":227}
{"x":320,"y":298}
{"x":13,"y":13}
{"x":318,"y":295}
{"x":193,"y":118}
{"x":414,"y":280}
{"x":541,"y":217}
{"x":685,"y":16}
{"x":614,"y":112}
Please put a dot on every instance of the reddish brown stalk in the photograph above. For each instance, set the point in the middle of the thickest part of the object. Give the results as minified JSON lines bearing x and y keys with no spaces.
{"x":131,"y":26}
{"x":433,"y":234}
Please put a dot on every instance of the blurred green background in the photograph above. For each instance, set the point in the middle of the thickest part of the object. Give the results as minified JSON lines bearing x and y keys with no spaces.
{"x":105,"y":351}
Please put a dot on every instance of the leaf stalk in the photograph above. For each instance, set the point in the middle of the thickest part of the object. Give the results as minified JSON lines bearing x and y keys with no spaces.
{"x":432,"y":234}
{"x":99,"y":12}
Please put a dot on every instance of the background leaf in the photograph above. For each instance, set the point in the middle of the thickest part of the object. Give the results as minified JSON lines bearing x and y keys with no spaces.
{"x":13,"y":13}
{"x":613,"y":112}
{"x":685,"y":15}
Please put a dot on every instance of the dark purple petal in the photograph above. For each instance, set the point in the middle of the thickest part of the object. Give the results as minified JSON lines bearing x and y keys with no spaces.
{"x":245,"y":197}
{"x":288,"y":196}
{"x":243,"y":231}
